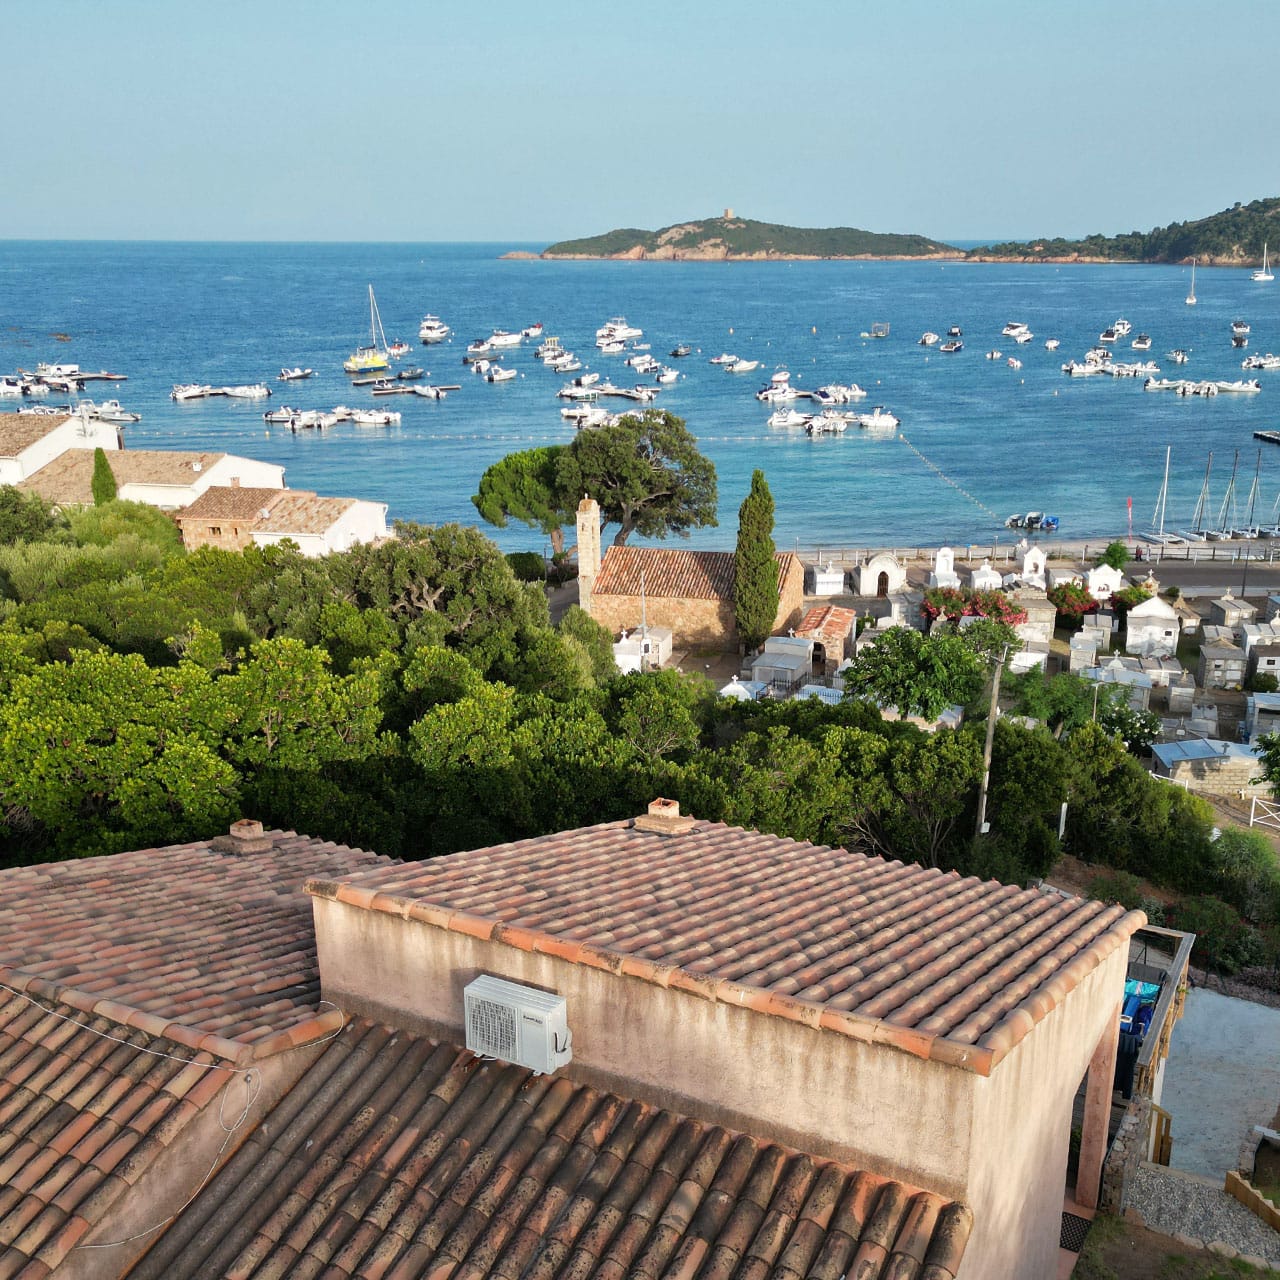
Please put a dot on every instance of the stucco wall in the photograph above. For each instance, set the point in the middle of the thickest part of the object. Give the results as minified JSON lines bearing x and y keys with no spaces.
{"x":1022,"y":1127}
{"x":361,"y":522}
{"x":879,"y":1108}
{"x":690,"y":621}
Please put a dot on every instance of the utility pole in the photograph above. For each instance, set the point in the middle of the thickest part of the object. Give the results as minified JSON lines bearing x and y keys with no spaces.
{"x":981,"y":828}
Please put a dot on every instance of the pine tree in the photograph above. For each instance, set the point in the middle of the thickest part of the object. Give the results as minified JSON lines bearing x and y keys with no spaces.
{"x":103,"y":484}
{"x":755,"y":567}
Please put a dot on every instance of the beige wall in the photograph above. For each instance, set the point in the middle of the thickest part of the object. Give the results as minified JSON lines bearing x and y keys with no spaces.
{"x":231,"y":533}
{"x":690,"y":621}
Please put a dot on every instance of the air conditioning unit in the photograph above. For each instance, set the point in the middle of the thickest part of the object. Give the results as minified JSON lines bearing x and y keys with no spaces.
{"x":517,"y":1024}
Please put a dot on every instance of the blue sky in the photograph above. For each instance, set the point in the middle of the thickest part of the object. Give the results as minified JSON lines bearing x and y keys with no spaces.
{"x":426,"y":120}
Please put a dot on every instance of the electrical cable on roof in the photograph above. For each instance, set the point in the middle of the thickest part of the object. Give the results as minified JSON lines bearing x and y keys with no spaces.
{"x":252,"y":1083}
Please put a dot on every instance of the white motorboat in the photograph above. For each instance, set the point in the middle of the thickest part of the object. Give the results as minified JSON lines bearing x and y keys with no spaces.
{"x":500,"y":339}
{"x":787,"y":418}
{"x":283,"y":414}
{"x":836,"y":393}
{"x":46,"y":369}
{"x":586,"y":416}
{"x":496,"y":373}
{"x":35,"y":388}
{"x":928,"y":338}
{"x":994,"y":354}
{"x":375,"y":417}
{"x":428,"y":392}
{"x":1024,"y":337}
{"x":666,"y":376}
{"x":1013,"y":328}
{"x":1164,"y":384}
{"x":570,"y":364}
{"x":1014,"y":362}
{"x":481,"y":366}
{"x":108,"y":411}
{"x":1098,"y":355}
{"x":532,"y":330}
{"x":1108,"y":335}
{"x":1191,"y":293}
{"x":618,"y":329}
{"x":1142,"y":342}
{"x":953,"y":345}
{"x":722,"y":359}
{"x":10,"y":387}
{"x":1261,"y":362}
{"x":373,"y":358}
{"x":295,"y":374}
{"x":1179,"y":355}
{"x":575,"y":392}
{"x":1243,"y":386}
{"x":249,"y":391}
{"x":955,"y":331}
{"x":547,"y":348}
{"x":586,"y":380}
{"x":878,"y":417}
{"x":1082,"y":368}
{"x":827,"y":423}
{"x":1051,"y":344}
{"x":643,"y":362}
{"x":777,"y":393}
{"x":1122,"y":328}
{"x":613,"y":347}
{"x":556,"y":360}
{"x":480,"y":347}
{"x":1240,"y":329}
{"x":192,"y":391}
{"x":433,"y":329}
{"x":742,"y":366}
{"x":1263,"y":274}
{"x":44,"y":410}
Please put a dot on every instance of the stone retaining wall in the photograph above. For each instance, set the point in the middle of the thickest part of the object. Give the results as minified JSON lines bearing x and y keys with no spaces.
{"x":1128,"y":1151}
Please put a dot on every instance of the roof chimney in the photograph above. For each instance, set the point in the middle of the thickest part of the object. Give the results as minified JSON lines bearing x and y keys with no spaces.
{"x":245,"y":836}
{"x":664,"y":819}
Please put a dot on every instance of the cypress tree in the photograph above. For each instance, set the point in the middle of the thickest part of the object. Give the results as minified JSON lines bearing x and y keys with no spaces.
{"x":103,"y":483}
{"x":755,"y":570}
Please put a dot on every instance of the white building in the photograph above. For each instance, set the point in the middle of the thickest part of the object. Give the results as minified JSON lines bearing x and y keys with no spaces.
{"x":1152,"y":628}
{"x":644,"y":649}
{"x":31,"y":441}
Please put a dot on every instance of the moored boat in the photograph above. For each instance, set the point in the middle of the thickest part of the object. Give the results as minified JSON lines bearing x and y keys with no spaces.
{"x":248,"y":391}
{"x":375,"y":417}
{"x":433,"y":329}
{"x":372,"y":358}
{"x":295,"y":374}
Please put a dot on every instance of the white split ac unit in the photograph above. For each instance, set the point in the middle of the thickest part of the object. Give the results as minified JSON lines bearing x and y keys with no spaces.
{"x":517,"y":1024}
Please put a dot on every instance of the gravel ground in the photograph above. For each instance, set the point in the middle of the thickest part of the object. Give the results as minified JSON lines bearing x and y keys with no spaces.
{"x":1175,"y":1205}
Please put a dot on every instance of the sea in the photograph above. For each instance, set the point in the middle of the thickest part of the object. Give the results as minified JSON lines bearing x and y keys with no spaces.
{"x":978,"y":440}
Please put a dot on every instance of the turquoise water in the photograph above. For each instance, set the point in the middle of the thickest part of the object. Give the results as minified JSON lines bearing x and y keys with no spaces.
{"x":1011,"y":440}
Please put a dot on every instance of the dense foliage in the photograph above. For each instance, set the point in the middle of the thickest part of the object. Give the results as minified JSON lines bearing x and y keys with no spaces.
{"x":103,"y":482}
{"x":747,"y":238}
{"x":414,"y":698}
{"x":967,"y":602}
{"x":1072,"y":601}
{"x":755,"y":566}
{"x":1233,"y":237}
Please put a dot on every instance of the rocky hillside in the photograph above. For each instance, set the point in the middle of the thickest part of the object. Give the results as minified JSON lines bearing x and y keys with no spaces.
{"x":1232,"y":238}
{"x":743,"y":240}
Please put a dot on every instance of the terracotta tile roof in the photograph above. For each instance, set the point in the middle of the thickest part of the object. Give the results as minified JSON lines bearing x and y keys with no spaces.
{"x":830,"y":625}
{"x":398,"y":1157}
{"x":302,"y":512}
{"x":216,"y":948}
{"x":81,"y":1118}
{"x":230,"y":502}
{"x":944,"y":967}
{"x":684,"y":575}
{"x":19,"y":431}
{"x":69,"y":477}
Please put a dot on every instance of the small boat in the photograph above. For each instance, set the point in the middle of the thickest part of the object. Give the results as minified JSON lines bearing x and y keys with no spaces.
{"x":375,"y":417}
{"x":532,"y":330}
{"x":666,"y":376}
{"x":44,"y":411}
{"x":1014,"y":362}
{"x":569,"y":364}
{"x":878,"y":417}
{"x":428,"y":392}
{"x":372,"y":358}
{"x":1024,"y":337}
{"x":283,"y":415}
{"x":1049,"y":524}
{"x":1142,"y":342}
{"x":1122,"y":328}
{"x":826,"y":424}
{"x":410,"y":374}
{"x":1082,"y":368}
{"x":575,"y":392}
{"x":618,"y":328}
{"x":777,"y":393}
{"x":10,"y":387}
{"x":1244,"y":386}
{"x":433,"y":329}
{"x":1263,"y":274}
{"x":1261,"y":362}
{"x":742,"y":366}
{"x":500,"y":338}
{"x":1014,"y":521}
{"x":1179,"y":355}
{"x":1240,"y":329}
{"x":643,"y":362}
{"x":954,"y":331}
{"x":722,"y":359}
{"x":993,"y":354}
{"x":613,"y":347}
{"x":294,"y":375}
{"x":1108,"y":335}
{"x":193,"y":391}
{"x":1013,"y":328}
{"x":108,"y":411}
{"x":1191,"y":293}
{"x":481,"y":366}
{"x":496,"y":373}
{"x":927,"y":339}
{"x":1051,"y":344}
{"x":480,"y":347}
{"x":681,"y":350}
{"x":547,"y":348}
{"x":1240,"y":340}
{"x":954,"y":345}
{"x":787,"y":418}
{"x":249,"y":391}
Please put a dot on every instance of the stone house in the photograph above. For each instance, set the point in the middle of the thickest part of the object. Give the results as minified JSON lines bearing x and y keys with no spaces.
{"x":1210,"y":767}
{"x":689,"y":592}
{"x":31,"y":441}
{"x":233,"y":518}
{"x":166,"y":478}
{"x":1231,"y":611}
{"x":1152,"y":627}
{"x":1041,"y":616}
{"x":1221,"y":665}
{"x":831,"y":628}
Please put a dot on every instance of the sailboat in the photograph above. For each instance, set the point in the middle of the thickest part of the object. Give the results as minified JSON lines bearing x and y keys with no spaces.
{"x":1262,"y":275}
{"x":373,"y":358}
{"x":1197,"y":533}
{"x":1191,"y":297}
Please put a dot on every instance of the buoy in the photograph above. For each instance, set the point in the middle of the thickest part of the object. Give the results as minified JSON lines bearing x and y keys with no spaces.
{"x":814,"y":329}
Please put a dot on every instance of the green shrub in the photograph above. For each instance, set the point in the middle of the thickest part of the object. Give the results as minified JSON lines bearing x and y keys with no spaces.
{"x":528,"y":566}
{"x":1117,"y":886}
{"x":1262,"y":682}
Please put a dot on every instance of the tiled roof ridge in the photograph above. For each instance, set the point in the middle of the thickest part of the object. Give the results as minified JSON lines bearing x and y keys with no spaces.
{"x":994,"y":1020}
{"x":236,"y":1052}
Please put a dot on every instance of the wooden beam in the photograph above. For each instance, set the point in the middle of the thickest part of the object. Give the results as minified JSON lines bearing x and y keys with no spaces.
{"x":1097,"y":1113}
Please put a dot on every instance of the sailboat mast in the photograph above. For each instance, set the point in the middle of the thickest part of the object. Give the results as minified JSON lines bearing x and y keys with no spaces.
{"x":1157,"y":517}
{"x":1226,"y":514}
{"x":1253,"y":492}
{"x":1203,"y":501}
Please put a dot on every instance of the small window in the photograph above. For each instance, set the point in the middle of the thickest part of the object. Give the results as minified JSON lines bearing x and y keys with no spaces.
{"x":215,"y":531}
